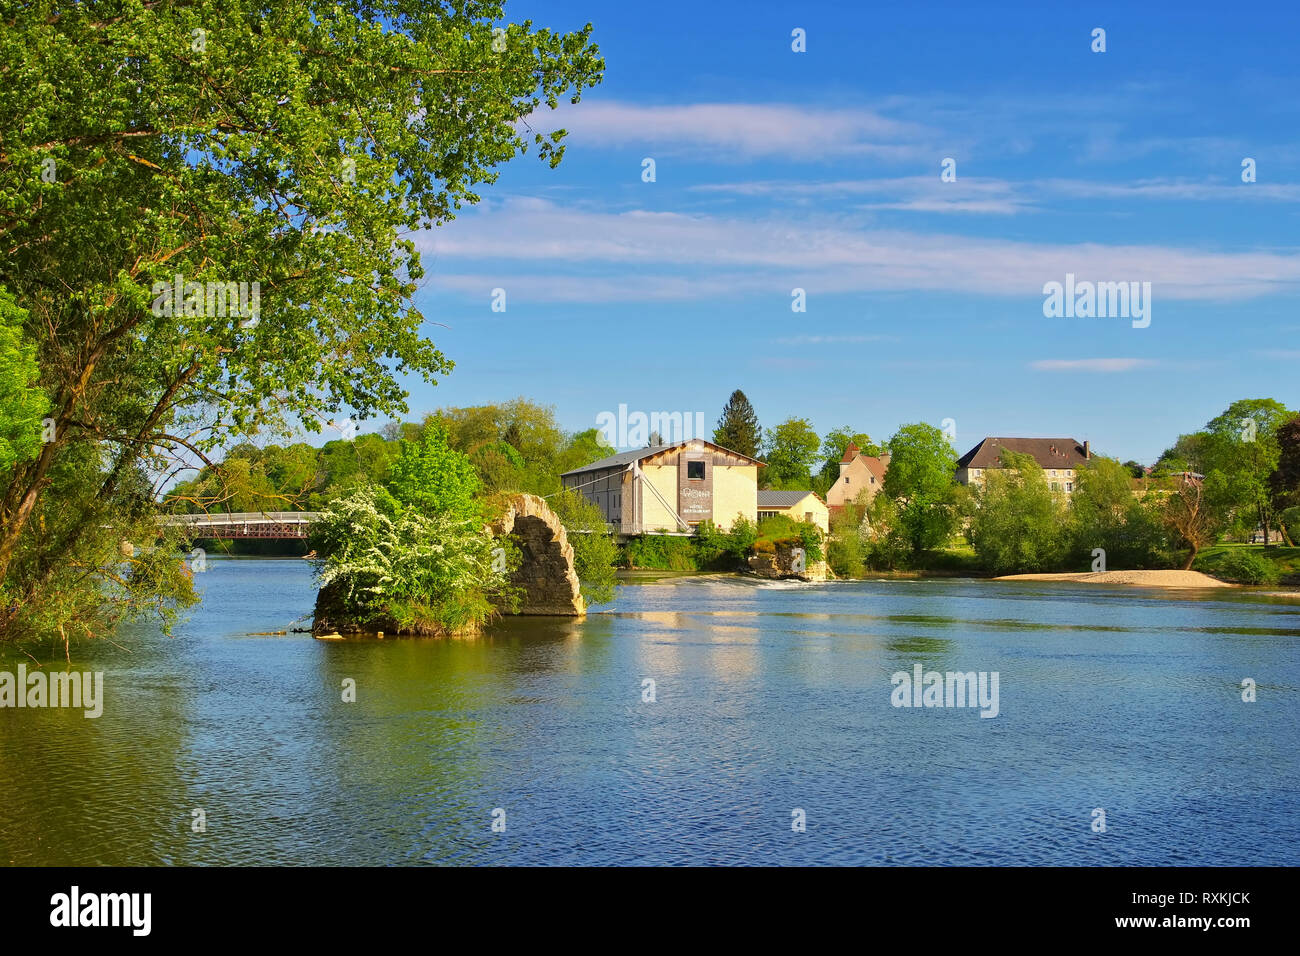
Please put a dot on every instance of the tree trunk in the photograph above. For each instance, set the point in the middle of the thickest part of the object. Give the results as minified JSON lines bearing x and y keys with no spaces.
{"x":1191,"y":556}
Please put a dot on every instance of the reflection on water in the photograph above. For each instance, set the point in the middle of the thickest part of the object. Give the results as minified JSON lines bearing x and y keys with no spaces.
{"x":767,"y":699}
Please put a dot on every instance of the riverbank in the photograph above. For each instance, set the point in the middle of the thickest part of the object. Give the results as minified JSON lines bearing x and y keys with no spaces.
{"x":1145,"y":579}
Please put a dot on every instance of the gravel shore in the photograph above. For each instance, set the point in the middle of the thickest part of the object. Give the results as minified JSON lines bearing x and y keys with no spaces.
{"x":1148,"y":579}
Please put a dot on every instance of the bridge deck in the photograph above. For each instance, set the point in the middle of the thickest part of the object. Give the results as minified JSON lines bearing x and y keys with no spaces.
{"x":247,"y":524}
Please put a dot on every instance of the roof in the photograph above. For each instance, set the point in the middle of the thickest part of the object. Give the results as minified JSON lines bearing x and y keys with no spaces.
{"x":783,"y":499}
{"x":624,"y":458}
{"x":877,"y":466}
{"x":1048,"y":452}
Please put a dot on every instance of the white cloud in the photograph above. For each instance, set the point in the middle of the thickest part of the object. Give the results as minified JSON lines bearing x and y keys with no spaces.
{"x":739,"y":130}
{"x":835,"y":339}
{"x":1091,"y":365}
{"x":573,"y":254}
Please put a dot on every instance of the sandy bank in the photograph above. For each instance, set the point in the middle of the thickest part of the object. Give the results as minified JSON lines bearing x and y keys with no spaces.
{"x":1147,"y":579}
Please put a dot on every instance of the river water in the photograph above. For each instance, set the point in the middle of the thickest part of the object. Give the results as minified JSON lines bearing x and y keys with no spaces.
{"x":769,"y":698}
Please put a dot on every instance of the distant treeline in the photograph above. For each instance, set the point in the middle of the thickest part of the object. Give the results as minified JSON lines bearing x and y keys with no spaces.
{"x":513,"y":446}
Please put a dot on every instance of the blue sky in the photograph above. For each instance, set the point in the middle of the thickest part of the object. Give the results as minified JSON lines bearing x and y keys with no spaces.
{"x":821,"y":170}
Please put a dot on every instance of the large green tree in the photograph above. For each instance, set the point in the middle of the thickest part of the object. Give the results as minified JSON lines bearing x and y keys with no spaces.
{"x":790,"y":450}
{"x":738,"y":427}
{"x":1104,"y":513}
{"x":434,"y":478}
{"x":1018,"y":523}
{"x":145,"y":147}
{"x":920,"y":480}
{"x":1243,"y":446}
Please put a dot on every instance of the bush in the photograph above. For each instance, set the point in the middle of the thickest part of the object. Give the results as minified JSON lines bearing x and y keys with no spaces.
{"x":428,"y":574}
{"x":845,"y":548}
{"x":1240,"y":566}
{"x":723,"y":550}
{"x":660,"y":552}
{"x":784,"y":530}
{"x":594,"y":550}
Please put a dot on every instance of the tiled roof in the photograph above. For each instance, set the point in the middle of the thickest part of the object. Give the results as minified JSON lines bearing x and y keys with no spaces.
{"x":1048,"y":452}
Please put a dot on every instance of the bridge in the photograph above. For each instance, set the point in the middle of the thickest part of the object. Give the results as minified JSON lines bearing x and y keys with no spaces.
{"x":246,"y":524}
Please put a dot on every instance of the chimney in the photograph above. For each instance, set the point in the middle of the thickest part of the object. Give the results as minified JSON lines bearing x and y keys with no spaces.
{"x":1087,"y":449}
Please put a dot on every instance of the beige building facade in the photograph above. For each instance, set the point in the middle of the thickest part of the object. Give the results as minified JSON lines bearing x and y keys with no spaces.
{"x":670,"y":488}
{"x":1060,"y":458}
{"x":859,"y":475}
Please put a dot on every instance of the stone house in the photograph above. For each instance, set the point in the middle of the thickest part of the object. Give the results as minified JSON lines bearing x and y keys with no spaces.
{"x":1060,"y":459}
{"x":859,"y":474}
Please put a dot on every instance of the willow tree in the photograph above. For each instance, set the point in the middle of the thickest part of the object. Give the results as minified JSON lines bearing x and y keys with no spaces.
{"x":159,"y":158}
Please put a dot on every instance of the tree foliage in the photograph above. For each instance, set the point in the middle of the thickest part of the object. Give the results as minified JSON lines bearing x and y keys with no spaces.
{"x":921,"y":481}
{"x":738,"y":427}
{"x":22,"y":403}
{"x":595,"y":554}
{"x":1018,"y":522}
{"x":434,"y":478}
{"x":790,"y":451}
{"x":295,"y":145}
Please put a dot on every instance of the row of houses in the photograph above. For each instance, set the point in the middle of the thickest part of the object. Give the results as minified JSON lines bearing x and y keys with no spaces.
{"x":677,"y":486}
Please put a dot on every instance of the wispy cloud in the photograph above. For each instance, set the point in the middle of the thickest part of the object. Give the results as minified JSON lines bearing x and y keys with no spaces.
{"x":742,"y":130}
{"x":835,"y":339}
{"x":913,"y":193}
{"x":987,"y":196}
{"x":1092,"y":365}
{"x":585,"y":255}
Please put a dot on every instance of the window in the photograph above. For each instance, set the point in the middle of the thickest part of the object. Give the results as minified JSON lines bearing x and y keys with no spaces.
{"x":807,"y":516}
{"x":873,"y":479}
{"x":695,"y":470}
{"x":1069,"y":486}
{"x":846,"y":479}
{"x":1056,"y":486}
{"x":1053,"y":474}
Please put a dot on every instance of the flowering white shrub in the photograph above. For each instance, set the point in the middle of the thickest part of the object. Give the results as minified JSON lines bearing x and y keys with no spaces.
{"x":432,"y":573}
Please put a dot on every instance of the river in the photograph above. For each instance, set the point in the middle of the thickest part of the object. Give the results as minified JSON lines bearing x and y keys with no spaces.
{"x":769,"y":699}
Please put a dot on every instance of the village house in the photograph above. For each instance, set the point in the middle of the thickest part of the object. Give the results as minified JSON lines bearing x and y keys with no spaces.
{"x":1060,"y":459}
{"x":796,"y":505}
{"x":859,"y":474}
{"x":670,"y":487}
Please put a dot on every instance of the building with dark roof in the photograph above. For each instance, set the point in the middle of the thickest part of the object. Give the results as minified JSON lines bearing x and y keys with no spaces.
{"x":1060,"y":459}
